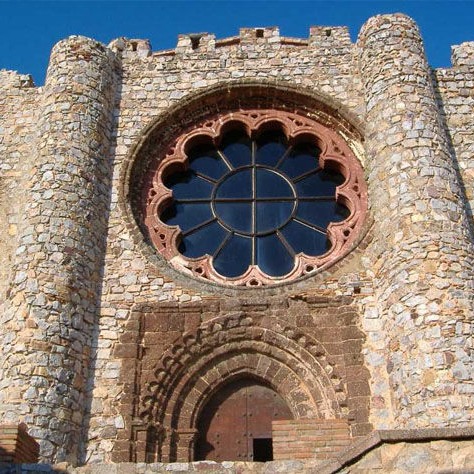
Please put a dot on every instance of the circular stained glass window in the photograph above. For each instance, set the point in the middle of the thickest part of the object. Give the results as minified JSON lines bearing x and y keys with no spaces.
{"x":254,"y":202}
{"x":249,"y":203}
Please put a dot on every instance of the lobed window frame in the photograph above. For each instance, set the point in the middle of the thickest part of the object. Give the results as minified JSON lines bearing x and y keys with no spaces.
{"x":334,"y":155}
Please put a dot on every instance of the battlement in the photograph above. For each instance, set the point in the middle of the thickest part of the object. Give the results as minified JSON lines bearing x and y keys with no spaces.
{"x":13,"y":79}
{"x":122,"y":351}
{"x":202,"y":43}
{"x":463,"y":54}
{"x":259,"y":37}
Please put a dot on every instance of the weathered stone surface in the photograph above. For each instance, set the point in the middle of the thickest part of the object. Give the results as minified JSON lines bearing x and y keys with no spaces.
{"x":393,"y":458}
{"x":99,"y":336}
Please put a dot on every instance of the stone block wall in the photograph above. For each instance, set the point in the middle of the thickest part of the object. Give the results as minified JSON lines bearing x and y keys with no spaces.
{"x":19,"y":114}
{"x":51,"y":313}
{"x":95,"y":321}
{"x":422,"y":240}
{"x":455,"y":89}
{"x":175,"y":88}
{"x":443,"y":456}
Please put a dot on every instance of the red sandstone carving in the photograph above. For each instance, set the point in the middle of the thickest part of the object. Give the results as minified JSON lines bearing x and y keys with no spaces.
{"x":335,"y":154}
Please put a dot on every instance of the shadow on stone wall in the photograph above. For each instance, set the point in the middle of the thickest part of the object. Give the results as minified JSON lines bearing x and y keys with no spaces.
{"x":452,"y":151}
{"x":102,"y":244}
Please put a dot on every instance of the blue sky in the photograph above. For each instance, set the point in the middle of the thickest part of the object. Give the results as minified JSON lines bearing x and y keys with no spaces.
{"x":29,"y":29}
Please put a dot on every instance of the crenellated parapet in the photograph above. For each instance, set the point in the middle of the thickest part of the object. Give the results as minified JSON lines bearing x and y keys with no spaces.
{"x":455,"y":92}
{"x":201,"y":43}
{"x":13,"y":79}
{"x":96,"y":318}
{"x":260,"y":38}
{"x":463,"y":55}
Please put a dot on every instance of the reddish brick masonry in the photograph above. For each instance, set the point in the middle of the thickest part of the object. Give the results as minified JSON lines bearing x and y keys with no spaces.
{"x":309,"y":438}
{"x":16,"y":445}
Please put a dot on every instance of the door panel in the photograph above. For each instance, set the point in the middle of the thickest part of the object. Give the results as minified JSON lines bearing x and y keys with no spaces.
{"x":236,"y":415}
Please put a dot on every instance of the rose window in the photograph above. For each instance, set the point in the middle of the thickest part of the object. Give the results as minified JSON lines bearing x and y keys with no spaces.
{"x":252,"y":199}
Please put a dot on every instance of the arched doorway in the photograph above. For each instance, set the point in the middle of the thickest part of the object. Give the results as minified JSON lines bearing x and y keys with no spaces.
{"x":236,"y":423}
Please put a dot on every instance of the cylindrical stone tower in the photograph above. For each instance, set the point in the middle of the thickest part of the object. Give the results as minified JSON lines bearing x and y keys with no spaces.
{"x":54,"y":297}
{"x":422,"y":254}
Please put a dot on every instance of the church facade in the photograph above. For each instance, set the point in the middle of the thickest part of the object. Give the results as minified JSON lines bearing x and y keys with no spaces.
{"x":244,"y":249}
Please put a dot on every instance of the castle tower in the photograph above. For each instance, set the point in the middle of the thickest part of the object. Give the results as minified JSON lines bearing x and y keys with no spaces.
{"x":243,"y":249}
{"x":422,"y":254}
{"x":55,"y":290}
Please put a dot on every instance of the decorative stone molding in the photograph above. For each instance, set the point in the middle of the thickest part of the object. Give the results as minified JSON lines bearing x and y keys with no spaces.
{"x":335,"y":155}
{"x":313,"y":363}
{"x":229,"y":347}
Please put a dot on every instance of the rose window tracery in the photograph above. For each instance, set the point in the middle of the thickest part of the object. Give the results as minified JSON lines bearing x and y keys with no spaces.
{"x":255,"y":198}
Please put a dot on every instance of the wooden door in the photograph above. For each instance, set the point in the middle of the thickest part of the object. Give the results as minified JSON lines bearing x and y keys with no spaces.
{"x":236,"y":424}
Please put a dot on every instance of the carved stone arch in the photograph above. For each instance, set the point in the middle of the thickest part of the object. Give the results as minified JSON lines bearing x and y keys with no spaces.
{"x":304,"y":401}
{"x":190,"y":356}
{"x":294,"y":364}
{"x":255,"y":366}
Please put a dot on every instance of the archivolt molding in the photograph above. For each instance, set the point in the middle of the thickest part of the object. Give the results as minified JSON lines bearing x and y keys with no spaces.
{"x":294,"y":364}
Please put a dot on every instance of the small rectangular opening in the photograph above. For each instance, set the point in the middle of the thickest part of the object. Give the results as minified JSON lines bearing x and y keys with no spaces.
{"x":195,"y":40}
{"x":262,"y":449}
{"x":259,"y":33}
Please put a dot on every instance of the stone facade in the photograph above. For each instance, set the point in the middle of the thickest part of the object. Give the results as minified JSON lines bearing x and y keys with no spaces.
{"x":108,"y":353}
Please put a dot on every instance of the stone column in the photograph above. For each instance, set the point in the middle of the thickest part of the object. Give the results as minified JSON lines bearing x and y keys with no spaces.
{"x":186,"y":440}
{"x":422,"y":253}
{"x":53,"y":303}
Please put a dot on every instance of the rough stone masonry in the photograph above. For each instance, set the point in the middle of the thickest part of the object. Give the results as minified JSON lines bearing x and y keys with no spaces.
{"x":110,"y":354}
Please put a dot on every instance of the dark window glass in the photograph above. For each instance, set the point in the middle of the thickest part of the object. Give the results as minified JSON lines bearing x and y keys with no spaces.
{"x":189,"y":186}
{"x":322,"y":183}
{"x":237,"y":185}
{"x":272,"y":215}
{"x":236,"y":147}
{"x":321,"y":213}
{"x":235,"y":257}
{"x":204,"y":241}
{"x":270,"y":184}
{"x":187,"y":215}
{"x":302,"y":159}
{"x":236,"y":215}
{"x":305,"y":239}
{"x":271,"y":146}
{"x":273,"y":257}
{"x":206,"y":161}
